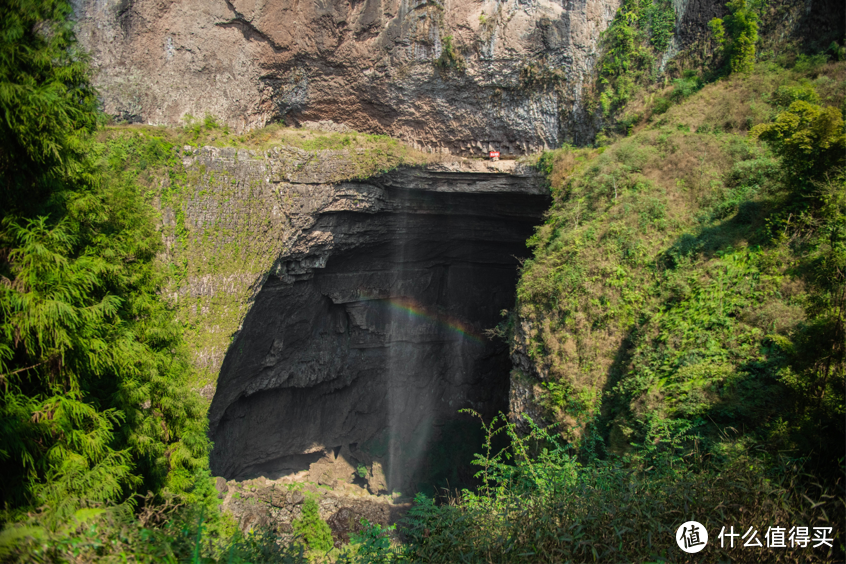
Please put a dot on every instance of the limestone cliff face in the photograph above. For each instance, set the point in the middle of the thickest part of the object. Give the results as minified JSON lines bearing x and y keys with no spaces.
{"x":510,"y":76}
{"x":330,"y":316}
{"x":368,"y":334}
{"x":234,"y":218}
{"x":454,"y":76}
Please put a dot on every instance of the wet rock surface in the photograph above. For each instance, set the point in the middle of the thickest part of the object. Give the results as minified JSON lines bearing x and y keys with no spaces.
{"x":244,"y":209}
{"x":369,"y":335}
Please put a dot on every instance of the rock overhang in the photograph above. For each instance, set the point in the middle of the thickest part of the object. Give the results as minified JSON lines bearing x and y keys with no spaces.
{"x":371,"y":327}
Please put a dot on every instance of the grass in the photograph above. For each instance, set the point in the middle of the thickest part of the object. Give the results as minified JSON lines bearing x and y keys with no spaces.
{"x":671,"y":310}
{"x":733,"y":104}
{"x":659,"y":293}
{"x":218,"y":221}
{"x":676,"y":286}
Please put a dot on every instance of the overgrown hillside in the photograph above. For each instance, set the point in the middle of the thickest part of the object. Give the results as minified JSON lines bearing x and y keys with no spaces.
{"x":691,"y":273}
{"x":678,"y":343}
{"x":678,"y":336}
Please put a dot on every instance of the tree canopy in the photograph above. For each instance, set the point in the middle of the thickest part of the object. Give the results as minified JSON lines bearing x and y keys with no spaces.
{"x":93,"y":401}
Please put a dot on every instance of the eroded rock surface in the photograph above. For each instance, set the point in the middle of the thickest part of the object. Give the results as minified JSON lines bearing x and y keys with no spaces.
{"x":510,"y":73}
{"x":369,"y":334}
{"x":458,"y":76}
{"x":276,"y":504}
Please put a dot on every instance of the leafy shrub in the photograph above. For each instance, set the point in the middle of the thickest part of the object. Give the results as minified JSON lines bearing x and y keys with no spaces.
{"x":786,"y":95}
{"x":450,"y":58}
{"x":661,"y":22}
{"x":809,"y":64}
{"x":837,"y":52}
{"x":661,"y":105}
{"x":159,"y":533}
{"x":372,"y":545}
{"x":738,"y":31}
{"x":313,"y":530}
{"x":686,"y":86}
{"x":809,"y":138}
{"x":628,"y":55}
{"x":549,"y":507}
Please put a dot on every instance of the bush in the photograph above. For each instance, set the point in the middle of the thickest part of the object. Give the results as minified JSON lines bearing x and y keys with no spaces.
{"x":786,"y":95}
{"x":809,"y":64}
{"x":809,"y":138}
{"x":661,"y":105}
{"x":548,"y":507}
{"x":630,"y":44}
{"x":372,"y":545}
{"x":158,"y":533}
{"x":450,"y":58}
{"x":686,"y":86}
{"x":738,"y":31}
{"x":314,"y":530}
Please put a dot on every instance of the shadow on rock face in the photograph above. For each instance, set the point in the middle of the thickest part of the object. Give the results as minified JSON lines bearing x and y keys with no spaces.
{"x":357,"y":368}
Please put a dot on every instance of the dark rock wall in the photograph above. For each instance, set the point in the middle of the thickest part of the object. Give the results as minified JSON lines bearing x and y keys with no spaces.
{"x":377,"y":345}
{"x":693,"y":19}
{"x":785,"y":26}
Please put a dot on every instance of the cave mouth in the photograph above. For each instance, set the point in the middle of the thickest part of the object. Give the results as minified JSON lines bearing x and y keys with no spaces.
{"x":354,"y":370}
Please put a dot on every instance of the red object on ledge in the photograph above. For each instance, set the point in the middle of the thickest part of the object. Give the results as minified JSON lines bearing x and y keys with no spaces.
{"x":494,"y":155}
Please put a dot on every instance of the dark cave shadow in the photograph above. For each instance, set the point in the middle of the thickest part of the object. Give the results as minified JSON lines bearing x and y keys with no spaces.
{"x":449,"y":464}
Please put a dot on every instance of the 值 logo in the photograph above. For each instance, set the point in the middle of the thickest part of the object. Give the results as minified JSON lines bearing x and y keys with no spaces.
{"x":691,"y":537}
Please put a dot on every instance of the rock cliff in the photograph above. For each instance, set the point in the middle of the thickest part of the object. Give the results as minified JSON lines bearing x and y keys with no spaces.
{"x":369,"y":335}
{"x":453,"y":76}
{"x":458,"y":77}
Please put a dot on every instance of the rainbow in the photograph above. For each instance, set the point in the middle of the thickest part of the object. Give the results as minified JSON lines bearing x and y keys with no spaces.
{"x":417,"y":311}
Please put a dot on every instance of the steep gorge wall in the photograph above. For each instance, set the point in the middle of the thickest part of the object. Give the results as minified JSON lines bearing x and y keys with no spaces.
{"x":512,"y":76}
{"x":233,"y":216}
{"x":452,"y":76}
{"x":369,"y":335}
{"x":338,"y":322}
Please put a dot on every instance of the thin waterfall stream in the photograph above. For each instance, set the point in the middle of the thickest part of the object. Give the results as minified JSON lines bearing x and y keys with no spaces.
{"x":357,"y":367}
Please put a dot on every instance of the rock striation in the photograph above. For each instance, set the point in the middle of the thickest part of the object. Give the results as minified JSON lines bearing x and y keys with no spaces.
{"x":454,"y":77}
{"x":369,"y":335}
{"x":457,"y":77}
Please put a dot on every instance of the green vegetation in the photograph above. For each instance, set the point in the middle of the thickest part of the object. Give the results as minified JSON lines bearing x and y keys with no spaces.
{"x":94,"y":404}
{"x":685,"y":310}
{"x":314,"y":530}
{"x":214,"y":264}
{"x":372,"y":545}
{"x":541,"y":504}
{"x":450,"y":58}
{"x":737,"y":34}
{"x":632,"y":45}
{"x":669,"y":286}
{"x":95,"y":407}
{"x":631,"y":83}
